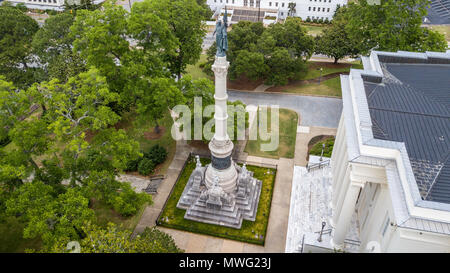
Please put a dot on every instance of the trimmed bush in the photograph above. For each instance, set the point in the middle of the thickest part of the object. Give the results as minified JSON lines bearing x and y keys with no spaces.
{"x":308,"y":20}
{"x":157,"y":154}
{"x":146,"y":166}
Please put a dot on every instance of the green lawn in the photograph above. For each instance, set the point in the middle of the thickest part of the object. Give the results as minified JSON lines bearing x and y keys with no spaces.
{"x":104,"y":214}
{"x":444,"y":29}
{"x":11,"y":239}
{"x":288,"y":120}
{"x":196,"y":71}
{"x":314,"y":69}
{"x":248,"y":230}
{"x":314,"y":30}
{"x":329,"y":88}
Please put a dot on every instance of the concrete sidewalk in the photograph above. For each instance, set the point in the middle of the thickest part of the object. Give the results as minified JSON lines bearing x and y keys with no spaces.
{"x":151,"y":213}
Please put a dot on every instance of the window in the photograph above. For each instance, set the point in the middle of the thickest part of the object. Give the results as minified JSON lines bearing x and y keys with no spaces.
{"x":276,"y":4}
{"x":328,"y":10}
{"x":270,"y":4}
{"x":232,"y":2}
{"x":282,"y":14}
{"x":309,"y":8}
{"x":282,"y":5}
{"x":314,"y":9}
{"x":227,"y":1}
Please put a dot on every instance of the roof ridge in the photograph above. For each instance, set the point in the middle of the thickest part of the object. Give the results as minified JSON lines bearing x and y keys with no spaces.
{"x":406,"y":112}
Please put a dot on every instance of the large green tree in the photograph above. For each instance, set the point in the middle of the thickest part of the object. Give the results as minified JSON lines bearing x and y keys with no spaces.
{"x":276,"y":54}
{"x":185,"y":19}
{"x":392,"y":25}
{"x":335,"y":42}
{"x":115,"y":240}
{"x":48,"y":215}
{"x":53,"y":44}
{"x":16,"y":35}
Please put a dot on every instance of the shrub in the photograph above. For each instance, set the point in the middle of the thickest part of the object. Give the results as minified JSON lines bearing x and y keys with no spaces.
{"x":308,"y":19}
{"x":315,"y":20}
{"x":157,"y":154}
{"x":132,"y":165}
{"x":320,"y":21}
{"x":146,"y":166}
{"x":326,"y":21}
{"x":22,"y":7}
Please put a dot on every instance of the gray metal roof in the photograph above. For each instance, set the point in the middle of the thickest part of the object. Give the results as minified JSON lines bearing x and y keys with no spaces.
{"x":412,"y":105}
{"x":439,"y":12}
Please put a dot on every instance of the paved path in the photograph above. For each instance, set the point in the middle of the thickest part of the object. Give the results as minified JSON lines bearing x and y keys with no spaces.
{"x":151,"y":213}
{"x":313,"y":111}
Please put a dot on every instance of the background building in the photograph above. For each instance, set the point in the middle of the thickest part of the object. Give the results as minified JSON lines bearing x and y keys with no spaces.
{"x":320,"y":9}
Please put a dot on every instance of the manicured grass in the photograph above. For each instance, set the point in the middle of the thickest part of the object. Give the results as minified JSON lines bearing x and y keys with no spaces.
{"x":287,"y":134}
{"x":314,"y":30}
{"x":136,"y":131}
{"x":316,"y":148}
{"x":196,"y":71}
{"x":329,"y":88}
{"x":104,"y":214}
{"x":11,"y":239}
{"x":248,"y":230}
{"x":327,"y":68}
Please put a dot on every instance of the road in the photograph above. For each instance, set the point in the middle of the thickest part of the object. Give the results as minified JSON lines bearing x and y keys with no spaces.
{"x":313,"y":111}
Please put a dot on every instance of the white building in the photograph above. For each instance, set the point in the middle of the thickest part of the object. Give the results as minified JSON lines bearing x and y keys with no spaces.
{"x":320,"y":9}
{"x":47,"y":4}
{"x":388,"y":187}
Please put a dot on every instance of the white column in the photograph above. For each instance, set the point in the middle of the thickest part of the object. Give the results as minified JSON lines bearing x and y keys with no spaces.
{"x":220,"y":68}
{"x":345,"y":216}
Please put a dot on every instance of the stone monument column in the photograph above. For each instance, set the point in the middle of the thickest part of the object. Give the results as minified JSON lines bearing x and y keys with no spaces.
{"x":221,"y":146}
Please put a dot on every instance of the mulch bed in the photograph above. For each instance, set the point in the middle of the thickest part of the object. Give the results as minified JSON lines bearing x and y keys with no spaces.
{"x":243,"y":83}
{"x":150,"y":135}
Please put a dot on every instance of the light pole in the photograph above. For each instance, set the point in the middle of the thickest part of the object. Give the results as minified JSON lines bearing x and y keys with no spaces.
{"x":129,"y":4}
{"x":323,"y":148}
{"x":321,"y":232}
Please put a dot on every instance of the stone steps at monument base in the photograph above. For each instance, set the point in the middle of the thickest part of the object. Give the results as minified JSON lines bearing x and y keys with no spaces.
{"x":247,"y":208}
